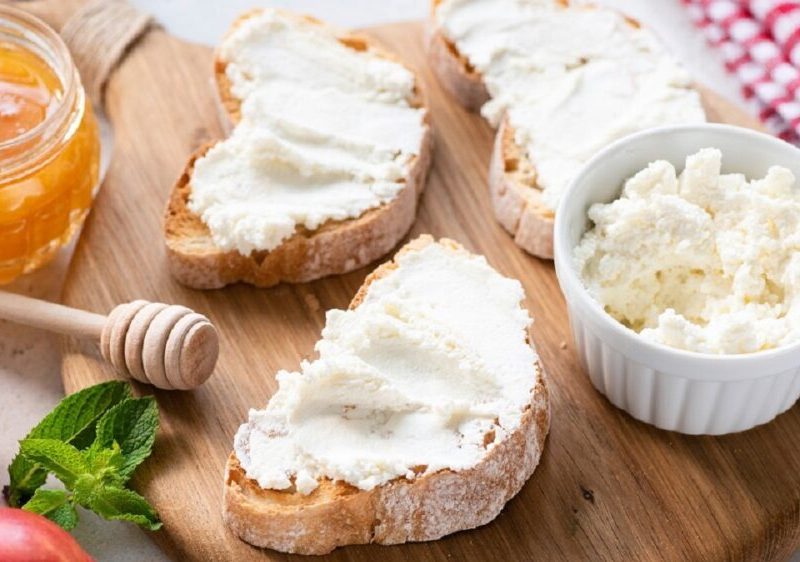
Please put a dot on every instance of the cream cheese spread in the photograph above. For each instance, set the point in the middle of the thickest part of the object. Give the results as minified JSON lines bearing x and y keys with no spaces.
{"x":429,"y":372}
{"x":704,"y":261}
{"x":569,"y":79}
{"x":326,"y":133}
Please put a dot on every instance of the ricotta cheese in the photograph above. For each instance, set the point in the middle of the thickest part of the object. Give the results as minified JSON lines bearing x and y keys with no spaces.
{"x":704,"y":261}
{"x":570,"y":80}
{"x":429,"y":372}
{"x":326,"y":133}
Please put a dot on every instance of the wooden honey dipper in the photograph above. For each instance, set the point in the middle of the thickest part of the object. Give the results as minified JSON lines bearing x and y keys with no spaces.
{"x":168,"y":346}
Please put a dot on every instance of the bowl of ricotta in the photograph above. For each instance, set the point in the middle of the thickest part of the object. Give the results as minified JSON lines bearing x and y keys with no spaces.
{"x":678,"y":253}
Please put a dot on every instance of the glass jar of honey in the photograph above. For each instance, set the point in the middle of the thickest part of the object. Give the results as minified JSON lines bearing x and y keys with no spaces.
{"x":49,"y":145}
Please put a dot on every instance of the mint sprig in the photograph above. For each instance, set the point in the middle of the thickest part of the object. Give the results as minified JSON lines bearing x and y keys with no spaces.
{"x":73,"y":421}
{"x":92,"y":442}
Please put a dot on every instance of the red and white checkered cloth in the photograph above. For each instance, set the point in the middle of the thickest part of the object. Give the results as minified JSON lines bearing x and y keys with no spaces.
{"x":755,"y":57}
{"x":782,"y":19}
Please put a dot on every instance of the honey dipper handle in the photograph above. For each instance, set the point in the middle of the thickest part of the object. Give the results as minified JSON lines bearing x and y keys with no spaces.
{"x":50,"y":316}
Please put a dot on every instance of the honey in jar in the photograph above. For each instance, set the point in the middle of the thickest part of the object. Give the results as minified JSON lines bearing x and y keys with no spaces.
{"x":49,"y":145}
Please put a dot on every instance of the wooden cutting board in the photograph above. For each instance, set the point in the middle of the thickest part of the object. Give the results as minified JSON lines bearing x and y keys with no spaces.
{"x":608,"y":487}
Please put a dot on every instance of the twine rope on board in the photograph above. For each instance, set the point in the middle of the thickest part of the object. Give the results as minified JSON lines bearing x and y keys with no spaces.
{"x":98,"y":36}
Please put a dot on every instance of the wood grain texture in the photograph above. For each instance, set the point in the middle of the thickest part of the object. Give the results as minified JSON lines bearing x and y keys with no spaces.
{"x":608,"y":487}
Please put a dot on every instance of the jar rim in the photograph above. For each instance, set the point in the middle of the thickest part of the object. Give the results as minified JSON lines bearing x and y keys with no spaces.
{"x":57,"y":57}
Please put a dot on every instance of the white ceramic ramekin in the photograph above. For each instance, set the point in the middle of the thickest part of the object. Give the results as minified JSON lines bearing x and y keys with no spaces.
{"x":672,"y":389}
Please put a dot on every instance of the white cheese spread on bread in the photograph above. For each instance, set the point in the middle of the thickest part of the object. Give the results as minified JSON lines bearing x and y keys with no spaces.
{"x":703,"y":261}
{"x":429,"y":372}
{"x":570,"y":80}
{"x":326,"y":133}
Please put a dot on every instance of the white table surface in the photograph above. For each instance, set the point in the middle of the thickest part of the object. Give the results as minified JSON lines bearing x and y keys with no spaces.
{"x":29,"y":360}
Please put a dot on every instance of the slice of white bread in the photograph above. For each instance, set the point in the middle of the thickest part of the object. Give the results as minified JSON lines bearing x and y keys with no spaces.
{"x":423,"y":508}
{"x":335,"y":247}
{"x":516,"y":198}
{"x":515,"y":192}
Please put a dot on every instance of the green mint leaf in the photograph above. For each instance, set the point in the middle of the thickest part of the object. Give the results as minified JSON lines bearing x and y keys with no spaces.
{"x":101,"y":460}
{"x":84,"y":489}
{"x":122,"y":504}
{"x":55,"y":505}
{"x":65,"y":516}
{"x":132,"y":424}
{"x":72,"y":421}
{"x":25,"y":478}
{"x":45,"y":501}
{"x":62,"y":459}
{"x":75,"y":418}
{"x":105,"y":464}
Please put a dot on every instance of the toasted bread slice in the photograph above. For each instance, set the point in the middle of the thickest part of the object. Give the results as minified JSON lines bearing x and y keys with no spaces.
{"x":401,"y":510}
{"x":515,"y":193}
{"x":516,"y":197}
{"x":336,"y":247}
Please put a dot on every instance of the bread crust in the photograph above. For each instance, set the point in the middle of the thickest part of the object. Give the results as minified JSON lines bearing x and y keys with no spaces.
{"x":455,"y":73}
{"x":517,"y":197}
{"x":427,"y":508}
{"x":335,"y":247}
